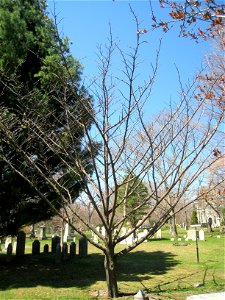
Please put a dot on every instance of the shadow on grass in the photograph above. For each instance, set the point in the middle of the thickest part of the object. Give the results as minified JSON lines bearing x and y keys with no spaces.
{"x":31,"y":271}
{"x":141,"y":263}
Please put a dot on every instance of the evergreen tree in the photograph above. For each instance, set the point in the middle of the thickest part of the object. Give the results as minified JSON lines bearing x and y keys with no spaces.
{"x":194,"y":218}
{"x":36,"y":70}
{"x":132,"y":194}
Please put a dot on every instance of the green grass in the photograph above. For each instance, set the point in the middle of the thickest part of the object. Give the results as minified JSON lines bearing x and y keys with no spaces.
{"x":162,"y":269}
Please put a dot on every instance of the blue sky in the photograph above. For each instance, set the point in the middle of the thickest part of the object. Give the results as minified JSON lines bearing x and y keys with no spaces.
{"x":86,"y":23}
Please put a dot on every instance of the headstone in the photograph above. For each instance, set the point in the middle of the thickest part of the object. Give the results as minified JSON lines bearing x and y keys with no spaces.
{"x":7,"y":242}
{"x":201,"y":235}
{"x":36,"y":247}
{"x":159,"y":234}
{"x":140,"y":296}
{"x":55,"y":242}
{"x":103,"y":231}
{"x":142,"y":234}
{"x":14,"y":246}
{"x":72,"y":249}
{"x":66,"y":233}
{"x":9,"y":253}
{"x":42,"y":235}
{"x":83,"y":247}
{"x":46,"y":248}
{"x":65,"y":251}
{"x":58,"y":254}
{"x":32,"y":232}
{"x":192,"y":234}
{"x":130,"y":239}
{"x":179,"y":239}
{"x":95,"y":238}
{"x":20,"y":246}
{"x":123,"y":231}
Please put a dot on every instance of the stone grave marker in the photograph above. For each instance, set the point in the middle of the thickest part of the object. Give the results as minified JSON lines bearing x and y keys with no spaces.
{"x":20,"y":246}
{"x":192,"y":234}
{"x":201,"y":235}
{"x":159,"y":234}
{"x":55,"y":242}
{"x":9,"y":253}
{"x":46,"y":248}
{"x":72,"y":249}
{"x":66,"y":234}
{"x":103,"y":231}
{"x":7,"y":242}
{"x":36,"y":247}
{"x":123,"y":231}
{"x":42,"y":235}
{"x":58,"y":254}
{"x":83,"y":247}
{"x":95,"y":238}
{"x":64,"y":251}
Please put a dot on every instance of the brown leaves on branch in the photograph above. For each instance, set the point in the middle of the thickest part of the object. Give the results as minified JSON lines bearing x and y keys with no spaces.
{"x":196,"y":19}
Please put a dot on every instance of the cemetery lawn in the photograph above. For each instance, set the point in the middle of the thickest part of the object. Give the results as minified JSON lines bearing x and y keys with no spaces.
{"x":164,"y":270}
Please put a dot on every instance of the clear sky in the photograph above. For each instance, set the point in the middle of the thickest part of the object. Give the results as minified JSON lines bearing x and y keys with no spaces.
{"x":86,"y":23}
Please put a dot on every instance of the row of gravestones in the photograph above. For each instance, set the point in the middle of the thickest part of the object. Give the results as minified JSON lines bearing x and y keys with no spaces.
{"x":130,"y":239}
{"x":60,"y":252}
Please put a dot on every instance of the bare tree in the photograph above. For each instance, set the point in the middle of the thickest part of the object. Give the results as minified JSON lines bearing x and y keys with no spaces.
{"x":171,"y":154}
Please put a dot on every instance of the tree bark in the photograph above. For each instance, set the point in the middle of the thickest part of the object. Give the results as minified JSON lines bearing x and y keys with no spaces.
{"x":110,"y":271}
{"x":173,"y":227}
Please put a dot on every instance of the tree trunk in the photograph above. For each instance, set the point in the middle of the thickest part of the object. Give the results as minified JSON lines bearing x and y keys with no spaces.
{"x":173,"y":227}
{"x":110,"y":271}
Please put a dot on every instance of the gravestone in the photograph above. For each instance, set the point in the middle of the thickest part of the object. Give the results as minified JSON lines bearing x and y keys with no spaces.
{"x":36,"y":247}
{"x":9,"y":253}
{"x":83,"y":247}
{"x":103,"y":231}
{"x":72,"y":249}
{"x":142,"y":234}
{"x":201,"y":235}
{"x":64,"y":251}
{"x":58,"y":254}
{"x":32,"y":232}
{"x":20,"y":246}
{"x":123,"y":231}
{"x":192,"y":234}
{"x":55,"y":242}
{"x":130,"y":239}
{"x":95,"y":238}
{"x":159,"y":234}
{"x":67,"y":233}
{"x":42,"y":235}
{"x":7,"y":242}
{"x":46,"y":248}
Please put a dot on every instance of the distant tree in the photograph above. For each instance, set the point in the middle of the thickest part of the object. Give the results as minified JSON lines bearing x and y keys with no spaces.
{"x":131,"y":193}
{"x":34,"y":77}
{"x":194,"y":218}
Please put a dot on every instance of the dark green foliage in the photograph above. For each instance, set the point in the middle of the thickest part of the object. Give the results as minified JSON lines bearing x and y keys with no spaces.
{"x":133,"y":198}
{"x":194,"y":218}
{"x":38,"y":80}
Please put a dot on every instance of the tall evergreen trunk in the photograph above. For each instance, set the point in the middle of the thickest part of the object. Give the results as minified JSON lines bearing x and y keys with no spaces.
{"x":110,"y":271}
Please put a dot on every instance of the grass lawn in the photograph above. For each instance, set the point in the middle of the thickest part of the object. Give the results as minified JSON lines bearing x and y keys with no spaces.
{"x":162,"y":269}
